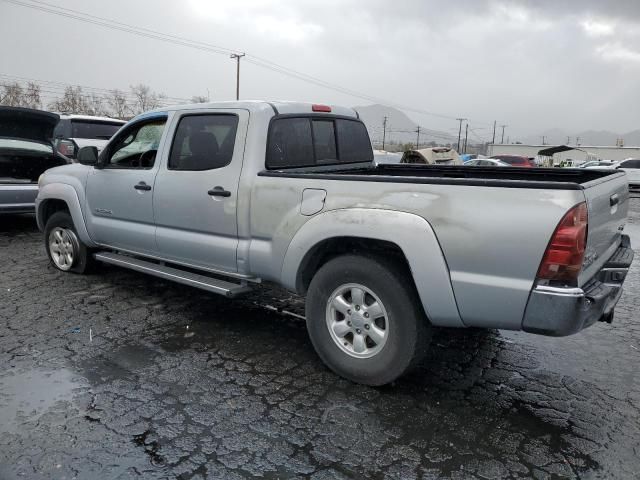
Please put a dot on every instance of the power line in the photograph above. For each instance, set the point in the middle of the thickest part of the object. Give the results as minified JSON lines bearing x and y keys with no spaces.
{"x":258,"y":61}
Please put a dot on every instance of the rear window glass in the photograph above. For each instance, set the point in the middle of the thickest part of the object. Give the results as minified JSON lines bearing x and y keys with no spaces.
{"x":324,"y":141}
{"x":309,"y":141}
{"x":353,"y":141}
{"x":93,"y":130}
{"x":630,"y":164}
{"x":290,"y":143}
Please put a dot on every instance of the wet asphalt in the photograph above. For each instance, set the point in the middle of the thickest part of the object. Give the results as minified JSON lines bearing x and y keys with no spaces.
{"x":120,"y":375}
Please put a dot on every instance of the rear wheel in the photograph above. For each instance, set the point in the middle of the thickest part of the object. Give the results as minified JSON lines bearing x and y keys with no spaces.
{"x":64,"y":249}
{"x":365,"y":319}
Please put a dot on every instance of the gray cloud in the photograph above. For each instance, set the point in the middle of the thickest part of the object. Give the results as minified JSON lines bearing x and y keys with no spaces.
{"x":529,"y":64}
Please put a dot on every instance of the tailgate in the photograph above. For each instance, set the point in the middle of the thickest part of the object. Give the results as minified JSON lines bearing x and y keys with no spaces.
{"x":607,"y":202}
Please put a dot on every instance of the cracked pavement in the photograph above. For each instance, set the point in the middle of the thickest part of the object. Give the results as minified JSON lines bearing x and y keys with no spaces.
{"x":121,"y":375}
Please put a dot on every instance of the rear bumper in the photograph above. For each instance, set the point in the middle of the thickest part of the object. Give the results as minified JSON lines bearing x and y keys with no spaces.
{"x":562,"y":311}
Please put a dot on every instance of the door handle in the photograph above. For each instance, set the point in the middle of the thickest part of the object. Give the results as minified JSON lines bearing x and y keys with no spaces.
{"x":219,"y":192}
{"x":614,"y":199}
{"x":142,"y":186}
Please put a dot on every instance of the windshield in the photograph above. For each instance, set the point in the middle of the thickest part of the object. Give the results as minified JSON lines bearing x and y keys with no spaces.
{"x":94,"y":130}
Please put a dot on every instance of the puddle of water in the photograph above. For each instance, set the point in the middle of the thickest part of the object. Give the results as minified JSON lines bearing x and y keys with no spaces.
{"x":25,"y":397}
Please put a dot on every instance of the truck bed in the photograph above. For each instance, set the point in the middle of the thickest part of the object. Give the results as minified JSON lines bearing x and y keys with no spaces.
{"x":508,"y":177}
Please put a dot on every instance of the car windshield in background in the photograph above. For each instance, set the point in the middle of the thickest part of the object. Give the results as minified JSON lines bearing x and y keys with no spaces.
{"x":93,"y":130}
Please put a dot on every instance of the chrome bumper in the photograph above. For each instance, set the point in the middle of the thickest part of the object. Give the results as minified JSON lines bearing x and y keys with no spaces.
{"x":558,"y":311}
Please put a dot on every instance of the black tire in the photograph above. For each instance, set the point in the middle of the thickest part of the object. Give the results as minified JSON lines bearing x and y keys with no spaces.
{"x":409,"y":329}
{"x":83,"y":262}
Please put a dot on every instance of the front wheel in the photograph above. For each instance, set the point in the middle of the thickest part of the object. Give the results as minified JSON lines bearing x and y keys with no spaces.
{"x":64,"y":249}
{"x":365,"y":319}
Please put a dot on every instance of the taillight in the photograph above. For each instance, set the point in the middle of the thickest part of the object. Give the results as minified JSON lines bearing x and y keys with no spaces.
{"x":564,"y":256}
{"x":67,"y":148}
{"x":320,"y":108}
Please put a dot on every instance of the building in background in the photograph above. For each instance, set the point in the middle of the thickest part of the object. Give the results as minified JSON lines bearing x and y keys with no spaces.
{"x":555,"y":155}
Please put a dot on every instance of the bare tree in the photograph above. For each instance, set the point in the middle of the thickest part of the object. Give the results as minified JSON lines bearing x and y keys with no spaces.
{"x":119,"y":105}
{"x":31,"y":96}
{"x":96,"y":105}
{"x":12,"y":95}
{"x":73,"y":101}
{"x":199,"y":99}
{"x":145,"y":98}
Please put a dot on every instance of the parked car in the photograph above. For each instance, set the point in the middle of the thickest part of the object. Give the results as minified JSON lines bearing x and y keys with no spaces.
{"x":602,"y":164}
{"x":76,"y":131}
{"x":631,"y":167}
{"x":486,"y":162}
{"x":202,"y":196}
{"x":432,"y":156}
{"x":382,"y":156}
{"x":26,"y":152}
{"x":516,"y":160}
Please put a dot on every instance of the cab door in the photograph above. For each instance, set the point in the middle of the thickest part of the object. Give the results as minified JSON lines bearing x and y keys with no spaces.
{"x":196,"y":191}
{"x":119,"y":191}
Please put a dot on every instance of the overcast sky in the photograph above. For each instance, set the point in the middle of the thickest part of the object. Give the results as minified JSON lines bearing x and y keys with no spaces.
{"x":530,"y":64}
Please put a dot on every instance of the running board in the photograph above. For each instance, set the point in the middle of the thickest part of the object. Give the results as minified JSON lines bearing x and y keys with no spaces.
{"x":209,"y":284}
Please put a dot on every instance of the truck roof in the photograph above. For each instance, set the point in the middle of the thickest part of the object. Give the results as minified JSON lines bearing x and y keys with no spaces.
{"x":276,"y":106}
{"x":91,"y":118}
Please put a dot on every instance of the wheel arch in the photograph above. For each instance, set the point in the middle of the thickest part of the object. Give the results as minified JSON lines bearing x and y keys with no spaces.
{"x":407,"y":237}
{"x":56,"y":197}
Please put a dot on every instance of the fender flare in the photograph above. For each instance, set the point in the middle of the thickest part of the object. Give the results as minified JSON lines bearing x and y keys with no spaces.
{"x":411,"y":233}
{"x":66,"y":193}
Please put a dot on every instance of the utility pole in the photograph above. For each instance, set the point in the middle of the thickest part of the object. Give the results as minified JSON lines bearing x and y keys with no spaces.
{"x":466,"y":135}
{"x":494,"y":133}
{"x":543,"y":138}
{"x":503,"y":127}
{"x":577,"y":141}
{"x":459,"y":131}
{"x":418,"y":139}
{"x":237,"y":56}
{"x":384,"y":131}
{"x":568,"y":139}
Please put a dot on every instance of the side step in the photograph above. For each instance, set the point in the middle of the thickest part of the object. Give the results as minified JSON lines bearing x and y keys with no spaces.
{"x":209,"y":284}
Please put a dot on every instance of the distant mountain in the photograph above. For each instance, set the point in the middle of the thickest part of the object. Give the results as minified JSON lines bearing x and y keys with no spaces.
{"x":400,"y":128}
{"x":632,"y":139}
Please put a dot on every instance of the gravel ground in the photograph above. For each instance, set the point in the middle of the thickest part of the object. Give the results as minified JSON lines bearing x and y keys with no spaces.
{"x":119,"y":375}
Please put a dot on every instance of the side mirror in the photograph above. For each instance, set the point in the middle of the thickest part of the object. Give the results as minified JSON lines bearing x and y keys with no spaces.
{"x":88,"y":155}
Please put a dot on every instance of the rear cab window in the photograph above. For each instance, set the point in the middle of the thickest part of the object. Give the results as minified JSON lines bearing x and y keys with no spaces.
{"x":630,"y":164}
{"x":93,"y":130}
{"x":316,"y":140}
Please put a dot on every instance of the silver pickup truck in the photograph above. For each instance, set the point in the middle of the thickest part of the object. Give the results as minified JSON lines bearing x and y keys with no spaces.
{"x":223,"y":196}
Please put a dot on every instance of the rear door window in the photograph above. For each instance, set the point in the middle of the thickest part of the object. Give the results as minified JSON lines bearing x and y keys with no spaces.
{"x":203,"y":142}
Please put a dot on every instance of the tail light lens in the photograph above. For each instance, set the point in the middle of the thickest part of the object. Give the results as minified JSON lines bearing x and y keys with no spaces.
{"x":67,"y":148}
{"x":320,"y":108}
{"x":563,"y":258}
